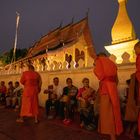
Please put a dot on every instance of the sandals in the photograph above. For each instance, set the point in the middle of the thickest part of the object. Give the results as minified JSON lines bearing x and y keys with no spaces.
{"x":19,"y":120}
{"x":36,"y":121}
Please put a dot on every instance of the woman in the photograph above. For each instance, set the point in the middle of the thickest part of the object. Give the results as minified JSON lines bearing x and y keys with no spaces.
{"x":86,"y":97}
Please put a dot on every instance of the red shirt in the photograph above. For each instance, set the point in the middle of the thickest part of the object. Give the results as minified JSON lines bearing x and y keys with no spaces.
{"x":3,"y":89}
{"x":81,"y":92}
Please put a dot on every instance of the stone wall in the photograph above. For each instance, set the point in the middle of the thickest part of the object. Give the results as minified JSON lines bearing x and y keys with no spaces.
{"x":124,"y":72}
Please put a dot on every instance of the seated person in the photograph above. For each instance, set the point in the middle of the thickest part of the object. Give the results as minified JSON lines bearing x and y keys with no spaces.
{"x":3,"y":91}
{"x":54,"y":93}
{"x":123,"y":98}
{"x":17,"y":93}
{"x":9,"y":94}
{"x":86,"y":96}
{"x":68,"y":101}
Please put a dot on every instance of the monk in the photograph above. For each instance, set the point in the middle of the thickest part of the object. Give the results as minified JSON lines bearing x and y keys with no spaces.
{"x":137,"y":51}
{"x":109,"y":106}
{"x":32,"y":85}
{"x":131,"y":111}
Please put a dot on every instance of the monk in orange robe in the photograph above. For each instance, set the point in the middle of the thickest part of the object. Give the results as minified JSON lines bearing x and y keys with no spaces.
{"x":137,"y":51}
{"x":32,"y":85}
{"x":109,"y":106}
{"x":131,"y":111}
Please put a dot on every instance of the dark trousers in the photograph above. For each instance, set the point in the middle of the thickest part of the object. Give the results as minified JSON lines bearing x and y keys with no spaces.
{"x":61,"y":109}
{"x":66,"y":110}
{"x":87,"y":116}
{"x":2,"y":98}
{"x":52,"y":103}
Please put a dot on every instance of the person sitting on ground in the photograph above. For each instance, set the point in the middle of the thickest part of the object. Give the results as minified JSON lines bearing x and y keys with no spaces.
{"x":86,"y":96}
{"x":54,"y":94}
{"x":3,"y":90}
{"x":68,"y":102}
{"x":9,"y":94}
{"x":16,"y":100}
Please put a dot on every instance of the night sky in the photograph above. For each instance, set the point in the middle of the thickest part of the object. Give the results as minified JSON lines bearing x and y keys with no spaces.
{"x":38,"y":17}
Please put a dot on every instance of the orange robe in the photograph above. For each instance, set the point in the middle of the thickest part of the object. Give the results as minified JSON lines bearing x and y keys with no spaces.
{"x":131,"y":111}
{"x":31,"y":81}
{"x":106,"y":72}
{"x":138,"y":78}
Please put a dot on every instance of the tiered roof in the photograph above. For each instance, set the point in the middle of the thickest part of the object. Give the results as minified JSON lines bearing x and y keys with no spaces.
{"x":62,"y":36}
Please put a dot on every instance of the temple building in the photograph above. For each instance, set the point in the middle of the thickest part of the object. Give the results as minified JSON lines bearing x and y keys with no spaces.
{"x":63,"y":48}
{"x":123,"y":36}
{"x":69,"y":52}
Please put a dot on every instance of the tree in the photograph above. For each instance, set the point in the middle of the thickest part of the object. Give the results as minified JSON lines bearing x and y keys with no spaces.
{"x":6,"y":58}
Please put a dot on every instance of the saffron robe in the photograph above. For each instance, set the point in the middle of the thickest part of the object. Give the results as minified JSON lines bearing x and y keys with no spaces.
{"x":106,"y":72}
{"x":138,"y":79}
{"x":131,"y":112}
{"x":32,"y":85}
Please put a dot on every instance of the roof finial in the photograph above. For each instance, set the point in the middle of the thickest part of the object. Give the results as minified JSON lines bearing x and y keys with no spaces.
{"x":61,"y":23}
{"x":87,"y":13}
{"x":72,"y":20}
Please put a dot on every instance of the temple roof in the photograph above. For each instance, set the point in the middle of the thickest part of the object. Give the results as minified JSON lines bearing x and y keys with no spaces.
{"x":61,"y":37}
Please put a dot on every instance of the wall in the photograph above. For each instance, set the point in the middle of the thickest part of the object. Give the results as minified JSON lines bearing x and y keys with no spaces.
{"x":124,"y":72}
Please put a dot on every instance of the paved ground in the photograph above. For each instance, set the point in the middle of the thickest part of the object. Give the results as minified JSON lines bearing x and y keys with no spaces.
{"x":45,"y":130}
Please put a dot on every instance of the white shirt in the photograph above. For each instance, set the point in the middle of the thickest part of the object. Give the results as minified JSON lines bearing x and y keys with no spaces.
{"x":58,"y":90}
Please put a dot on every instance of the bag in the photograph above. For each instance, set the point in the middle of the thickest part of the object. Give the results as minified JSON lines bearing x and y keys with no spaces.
{"x":65,"y":98}
{"x":83,"y":104}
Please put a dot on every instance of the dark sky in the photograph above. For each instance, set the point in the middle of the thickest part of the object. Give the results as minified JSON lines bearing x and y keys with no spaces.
{"x":38,"y":17}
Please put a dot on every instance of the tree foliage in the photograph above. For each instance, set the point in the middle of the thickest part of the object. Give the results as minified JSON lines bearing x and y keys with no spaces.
{"x":7,"y":57}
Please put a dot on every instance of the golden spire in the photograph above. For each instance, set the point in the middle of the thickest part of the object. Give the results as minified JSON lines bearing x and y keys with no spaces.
{"x":123,"y":29}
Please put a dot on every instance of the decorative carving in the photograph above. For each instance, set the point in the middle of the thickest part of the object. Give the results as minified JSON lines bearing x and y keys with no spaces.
{"x":68,"y":58}
{"x":125,"y":56}
{"x":65,"y":65}
{"x":43,"y":63}
{"x":72,"y":64}
{"x":79,"y":55}
{"x":60,"y":65}
{"x":81,"y":63}
{"x":51,"y":66}
{"x":56,"y":65}
{"x":113,"y":58}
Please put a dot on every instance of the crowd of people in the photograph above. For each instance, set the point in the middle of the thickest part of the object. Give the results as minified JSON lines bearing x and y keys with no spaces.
{"x":102,"y":109}
{"x":68,"y":100}
{"x":11,"y":96}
